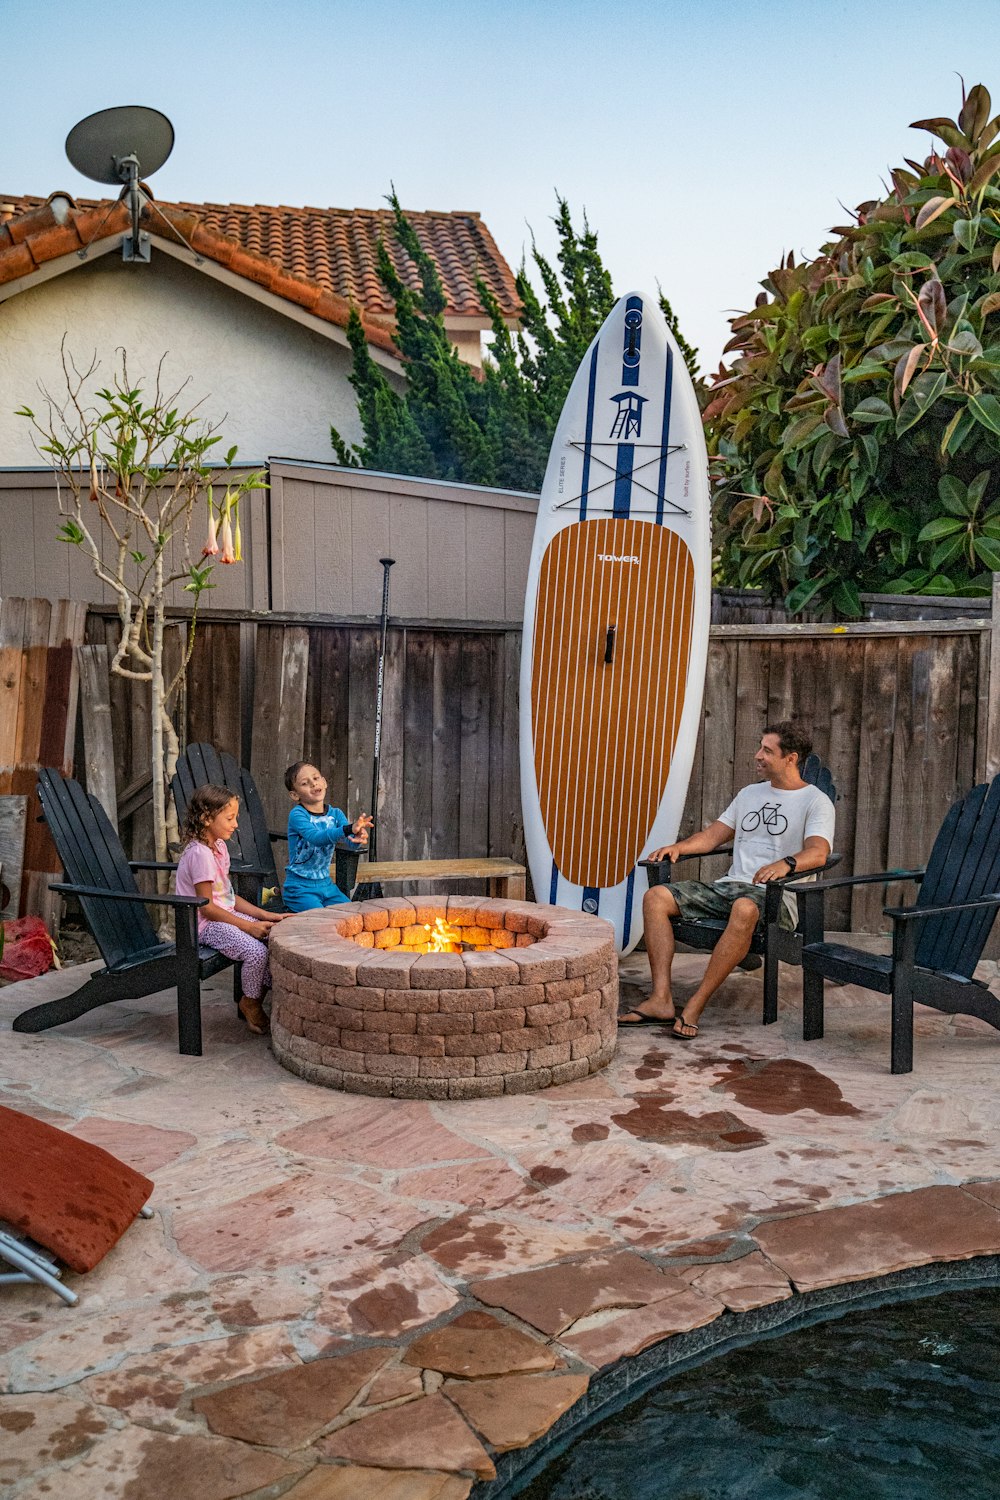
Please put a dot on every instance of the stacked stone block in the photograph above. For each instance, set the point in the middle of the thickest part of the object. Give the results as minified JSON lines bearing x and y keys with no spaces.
{"x":351,"y":1010}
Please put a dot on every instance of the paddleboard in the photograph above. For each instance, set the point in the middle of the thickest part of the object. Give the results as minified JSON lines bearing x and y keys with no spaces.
{"x":616,"y":622}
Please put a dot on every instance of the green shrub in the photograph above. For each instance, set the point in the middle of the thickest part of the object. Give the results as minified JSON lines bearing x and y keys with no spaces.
{"x":856,"y":435}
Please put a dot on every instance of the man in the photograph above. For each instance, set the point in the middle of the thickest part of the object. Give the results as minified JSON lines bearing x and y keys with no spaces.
{"x":779,"y":826}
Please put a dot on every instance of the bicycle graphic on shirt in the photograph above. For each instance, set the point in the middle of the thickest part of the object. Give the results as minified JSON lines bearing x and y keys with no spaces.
{"x":769,"y":817}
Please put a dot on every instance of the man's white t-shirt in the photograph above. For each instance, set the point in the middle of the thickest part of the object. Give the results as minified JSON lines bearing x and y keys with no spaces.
{"x":767,"y":824}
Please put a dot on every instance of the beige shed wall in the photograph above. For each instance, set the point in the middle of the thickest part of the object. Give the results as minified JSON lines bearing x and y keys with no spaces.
{"x":278,"y":386}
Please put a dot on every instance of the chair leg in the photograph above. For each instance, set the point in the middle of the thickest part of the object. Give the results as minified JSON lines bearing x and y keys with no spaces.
{"x":904,"y":944}
{"x":770,"y":981}
{"x":188,"y":984}
{"x":812,"y":1006}
{"x":902,"y":1022}
{"x":96,"y":991}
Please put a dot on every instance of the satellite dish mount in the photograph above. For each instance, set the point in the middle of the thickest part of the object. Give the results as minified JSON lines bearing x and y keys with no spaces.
{"x":116,"y":145}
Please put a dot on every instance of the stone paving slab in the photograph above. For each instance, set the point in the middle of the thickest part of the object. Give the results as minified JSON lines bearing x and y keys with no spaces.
{"x":342,"y":1296}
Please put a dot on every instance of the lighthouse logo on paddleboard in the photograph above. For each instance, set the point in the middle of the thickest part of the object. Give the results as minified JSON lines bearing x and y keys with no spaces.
{"x":616,"y":622}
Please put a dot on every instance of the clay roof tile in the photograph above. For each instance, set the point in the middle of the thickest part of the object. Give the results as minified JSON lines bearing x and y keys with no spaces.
{"x":331,"y":253}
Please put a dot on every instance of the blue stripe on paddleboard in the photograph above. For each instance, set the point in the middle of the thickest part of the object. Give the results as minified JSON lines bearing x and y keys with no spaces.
{"x":590,"y":901}
{"x":588,"y":436}
{"x":553,"y":884}
{"x":631,"y":341}
{"x":627,"y":921}
{"x":623,"y":479}
{"x":664,"y":435}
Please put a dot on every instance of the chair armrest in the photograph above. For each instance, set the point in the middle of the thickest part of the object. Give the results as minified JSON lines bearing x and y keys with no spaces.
{"x":918,"y":913}
{"x":106,"y":895}
{"x":236,"y":868}
{"x":152,"y":864}
{"x":275,"y":836}
{"x":647,"y":863}
{"x":884,"y":877}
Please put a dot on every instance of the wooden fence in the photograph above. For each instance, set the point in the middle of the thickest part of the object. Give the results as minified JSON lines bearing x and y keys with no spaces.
{"x":274,"y":693}
{"x":900,"y":710}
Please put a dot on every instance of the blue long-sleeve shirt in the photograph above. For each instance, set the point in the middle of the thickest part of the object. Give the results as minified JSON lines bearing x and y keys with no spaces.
{"x":311,"y":840}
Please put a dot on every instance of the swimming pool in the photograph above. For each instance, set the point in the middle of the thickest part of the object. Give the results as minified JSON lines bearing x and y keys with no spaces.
{"x":899,"y":1402}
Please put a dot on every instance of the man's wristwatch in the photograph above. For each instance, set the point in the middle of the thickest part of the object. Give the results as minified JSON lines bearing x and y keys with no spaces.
{"x":791,"y":863}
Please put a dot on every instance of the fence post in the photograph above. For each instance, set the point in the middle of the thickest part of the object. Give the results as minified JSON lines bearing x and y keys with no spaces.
{"x":993,"y":700}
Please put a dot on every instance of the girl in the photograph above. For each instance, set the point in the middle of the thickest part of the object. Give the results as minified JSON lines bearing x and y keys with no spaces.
{"x":314,"y":829}
{"x":227,"y":923}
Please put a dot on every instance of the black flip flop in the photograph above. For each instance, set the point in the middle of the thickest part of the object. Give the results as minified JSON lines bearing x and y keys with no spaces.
{"x":678,"y":1036}
{"x":643,"y":1020}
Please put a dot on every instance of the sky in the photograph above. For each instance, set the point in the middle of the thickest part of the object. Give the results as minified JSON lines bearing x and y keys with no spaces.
{"x":701,"y":140}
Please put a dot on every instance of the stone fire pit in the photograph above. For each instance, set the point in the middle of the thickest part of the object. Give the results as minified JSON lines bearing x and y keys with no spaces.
{"x":531,"y":1000}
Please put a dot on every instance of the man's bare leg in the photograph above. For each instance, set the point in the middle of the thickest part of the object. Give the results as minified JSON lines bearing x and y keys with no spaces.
{"x":733,"y":945}
{"x":658,"y":906}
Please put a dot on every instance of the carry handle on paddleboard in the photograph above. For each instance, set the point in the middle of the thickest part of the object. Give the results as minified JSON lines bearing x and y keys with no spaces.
{"x":609,"y":645}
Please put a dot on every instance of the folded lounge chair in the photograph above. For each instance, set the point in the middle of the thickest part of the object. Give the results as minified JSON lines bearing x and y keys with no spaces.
{"x":61,"y":1200}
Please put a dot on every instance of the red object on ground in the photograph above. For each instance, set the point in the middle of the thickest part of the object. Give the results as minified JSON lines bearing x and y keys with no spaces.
{"x":74,"y":1198}
{"x":27,"y":951}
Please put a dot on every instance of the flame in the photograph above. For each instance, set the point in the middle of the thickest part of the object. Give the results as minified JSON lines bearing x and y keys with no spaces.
{"x":443,"y":939}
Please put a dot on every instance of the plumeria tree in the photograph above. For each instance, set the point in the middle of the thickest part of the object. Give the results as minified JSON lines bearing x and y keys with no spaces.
{"x":134,"y":467}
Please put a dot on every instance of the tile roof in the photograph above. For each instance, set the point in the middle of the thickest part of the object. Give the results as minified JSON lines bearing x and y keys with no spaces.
{"x":321,"y":259}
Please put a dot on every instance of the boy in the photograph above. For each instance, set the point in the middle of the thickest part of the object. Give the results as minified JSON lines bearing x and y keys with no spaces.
{"x":314,"y":829}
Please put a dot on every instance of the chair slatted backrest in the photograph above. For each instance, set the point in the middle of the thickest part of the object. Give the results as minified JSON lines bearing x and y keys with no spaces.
{"x":250,"y":845}
{"x":964,"y":864}
{"x":817,"y":774}
{"x":91,"y":854}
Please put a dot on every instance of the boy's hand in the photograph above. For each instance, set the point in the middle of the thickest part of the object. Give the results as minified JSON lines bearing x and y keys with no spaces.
{"x":360,"y":827}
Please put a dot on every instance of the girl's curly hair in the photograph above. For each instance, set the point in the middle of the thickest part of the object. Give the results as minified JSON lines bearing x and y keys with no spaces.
{"x":206,"y":801}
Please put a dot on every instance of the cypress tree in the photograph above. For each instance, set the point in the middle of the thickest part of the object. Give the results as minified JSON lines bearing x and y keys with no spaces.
{"x":494,"y":426}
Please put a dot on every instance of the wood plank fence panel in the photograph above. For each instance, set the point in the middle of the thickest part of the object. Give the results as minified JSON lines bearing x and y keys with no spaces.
{"x":418,"y":746}
{"x":446,"y":738}
{"x":363,"y":676}
{"x":473,"y":781}
{"x":98,"y":770}
{"x":392,"y":765}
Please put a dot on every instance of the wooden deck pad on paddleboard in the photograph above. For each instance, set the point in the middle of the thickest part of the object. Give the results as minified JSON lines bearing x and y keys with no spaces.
{"x":612,"y":642}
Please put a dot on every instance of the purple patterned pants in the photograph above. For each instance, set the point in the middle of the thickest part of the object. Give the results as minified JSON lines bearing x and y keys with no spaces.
{"x":248,"y":951}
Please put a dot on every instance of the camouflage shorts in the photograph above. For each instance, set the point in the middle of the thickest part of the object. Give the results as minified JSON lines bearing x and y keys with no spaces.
{"x":696,"y":900}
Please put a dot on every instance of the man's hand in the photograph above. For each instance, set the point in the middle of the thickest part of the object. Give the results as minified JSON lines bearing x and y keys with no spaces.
{"x":669,"y":851}
{"x":778,"y":871}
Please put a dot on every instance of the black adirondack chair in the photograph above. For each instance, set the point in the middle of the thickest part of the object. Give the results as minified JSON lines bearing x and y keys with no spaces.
{"x":936,"y":943}
{"x":250,"y":849}
{"x":251,"y":858}
{"x":137,"y":963}
{"x":771,"y":943}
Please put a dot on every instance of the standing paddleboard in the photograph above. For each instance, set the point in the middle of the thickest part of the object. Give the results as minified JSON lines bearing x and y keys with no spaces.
{"x":616,"y":622}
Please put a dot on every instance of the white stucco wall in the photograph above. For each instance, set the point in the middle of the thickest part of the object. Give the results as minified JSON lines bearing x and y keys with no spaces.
{"x":277,"y":385}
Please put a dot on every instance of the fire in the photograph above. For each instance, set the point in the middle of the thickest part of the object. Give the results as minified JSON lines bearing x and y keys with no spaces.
{"x":442,"y":939}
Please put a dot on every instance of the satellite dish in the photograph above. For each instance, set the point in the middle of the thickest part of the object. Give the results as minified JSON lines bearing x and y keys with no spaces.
{"x":120,"y":145}
{"x":101,"y":145}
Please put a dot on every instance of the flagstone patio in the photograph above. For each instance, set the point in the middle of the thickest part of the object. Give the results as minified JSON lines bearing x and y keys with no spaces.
{"x":374,"y":1298}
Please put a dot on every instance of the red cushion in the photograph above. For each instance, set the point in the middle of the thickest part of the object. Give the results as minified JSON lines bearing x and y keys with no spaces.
{"x":67,"y":1195}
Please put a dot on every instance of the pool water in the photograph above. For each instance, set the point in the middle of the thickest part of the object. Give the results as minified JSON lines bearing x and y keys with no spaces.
{"x":897,"y":1403}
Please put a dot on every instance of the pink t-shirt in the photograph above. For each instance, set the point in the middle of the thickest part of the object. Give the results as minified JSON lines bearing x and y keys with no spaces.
{"x":200,"y":862}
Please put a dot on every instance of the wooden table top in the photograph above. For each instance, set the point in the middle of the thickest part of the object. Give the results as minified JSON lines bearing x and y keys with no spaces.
{"x":437,"y":869}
